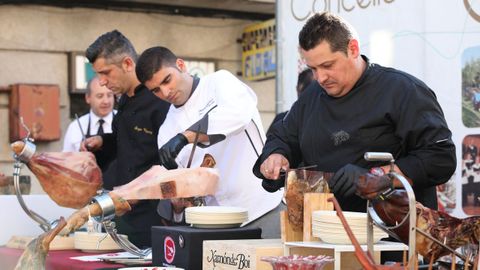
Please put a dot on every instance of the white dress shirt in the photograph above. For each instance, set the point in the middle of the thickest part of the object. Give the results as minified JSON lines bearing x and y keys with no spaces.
{"x":73,"y":136}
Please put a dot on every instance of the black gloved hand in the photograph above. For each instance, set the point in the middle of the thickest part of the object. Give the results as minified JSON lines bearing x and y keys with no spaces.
{"x":342,"y":184}
{"x":169,"y":151}
{"x":274,"y":185}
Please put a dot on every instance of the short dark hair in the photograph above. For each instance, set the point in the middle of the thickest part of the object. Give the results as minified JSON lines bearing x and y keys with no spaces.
{"x":326,"y":27}
{"x":305,"y":78}
{"x":111,"y":46}
{"x":152,"y":60}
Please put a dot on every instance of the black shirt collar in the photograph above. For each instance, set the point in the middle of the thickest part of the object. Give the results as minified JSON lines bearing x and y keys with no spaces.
{"x":196,"y":81}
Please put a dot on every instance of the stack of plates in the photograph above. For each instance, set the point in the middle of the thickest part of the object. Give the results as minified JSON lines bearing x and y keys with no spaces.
{"x":92,"y":242}
{"x":327,"y":226}
{"x":216,"y":216}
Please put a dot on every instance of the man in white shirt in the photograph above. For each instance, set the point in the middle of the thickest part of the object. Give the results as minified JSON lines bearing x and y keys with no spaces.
{"x":223,"y":111}
{"x":99,"y":119}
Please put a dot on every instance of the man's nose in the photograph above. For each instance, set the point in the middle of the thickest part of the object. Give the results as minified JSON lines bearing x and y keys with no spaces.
{"x":321,"y":76}
{"x":165,"y":91}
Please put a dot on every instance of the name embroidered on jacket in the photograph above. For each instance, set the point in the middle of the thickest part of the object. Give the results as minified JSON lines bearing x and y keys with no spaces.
{"x":209,"y":104}
{"x":145,"y":130}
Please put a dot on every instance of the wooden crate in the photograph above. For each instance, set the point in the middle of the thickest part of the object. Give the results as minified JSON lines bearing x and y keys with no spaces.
{"x":240,"y":254}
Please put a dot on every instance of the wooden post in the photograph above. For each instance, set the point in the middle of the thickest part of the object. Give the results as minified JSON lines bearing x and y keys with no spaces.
{"x":288,"y":234}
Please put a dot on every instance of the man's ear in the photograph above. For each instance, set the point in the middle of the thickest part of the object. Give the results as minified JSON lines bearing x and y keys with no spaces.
{"x":181,"y":65}
{"x":128,"y":64}
{"x":87,"y":98}
{"x":353,"y":48}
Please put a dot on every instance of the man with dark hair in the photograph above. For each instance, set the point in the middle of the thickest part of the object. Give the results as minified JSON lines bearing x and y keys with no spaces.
{"x":219,"y":113}
{"x":133,"y":142}
{"x":359,"y":107}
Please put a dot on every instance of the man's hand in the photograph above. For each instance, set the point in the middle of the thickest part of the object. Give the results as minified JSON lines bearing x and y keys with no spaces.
{"x":169,"y":151}
{"x":271,"y":167}
{"x":342,"y":183}
{"x":91,"y":144}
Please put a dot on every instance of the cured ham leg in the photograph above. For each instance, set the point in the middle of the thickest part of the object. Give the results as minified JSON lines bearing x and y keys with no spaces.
{"x":70,"y":179}
{"x":156,"y":183}
{"x":160,"y":183}
{"x":452,"y":232}
{"x":34,"y":255}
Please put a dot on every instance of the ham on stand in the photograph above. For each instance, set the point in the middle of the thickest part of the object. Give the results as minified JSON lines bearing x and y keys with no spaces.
{"x":156,"y":183}
{"x":438,"y":233}
{"x":70,"y":179}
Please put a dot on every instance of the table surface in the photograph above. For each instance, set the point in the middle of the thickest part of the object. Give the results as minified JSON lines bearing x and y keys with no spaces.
{"x":56,"y":260}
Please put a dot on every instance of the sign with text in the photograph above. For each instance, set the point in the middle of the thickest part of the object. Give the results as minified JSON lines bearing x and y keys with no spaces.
{"x":435,"y":42}
{"x":258,"y":51}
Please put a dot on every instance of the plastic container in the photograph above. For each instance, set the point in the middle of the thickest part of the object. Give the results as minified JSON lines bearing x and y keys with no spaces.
{"x":298,"y":182}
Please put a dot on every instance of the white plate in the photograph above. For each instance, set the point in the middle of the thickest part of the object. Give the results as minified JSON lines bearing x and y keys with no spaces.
{"x":217,"y":226}
{"x":216,"y":210}
{"x":88,"y":242}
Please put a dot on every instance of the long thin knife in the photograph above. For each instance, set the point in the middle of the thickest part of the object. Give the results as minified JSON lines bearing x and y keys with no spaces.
{"x":197,"y":201}
{"x":195,"y":141}
{"x":81,"y":129}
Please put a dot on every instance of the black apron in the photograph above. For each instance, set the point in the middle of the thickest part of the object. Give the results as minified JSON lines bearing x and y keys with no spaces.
{"x":103,"y":159}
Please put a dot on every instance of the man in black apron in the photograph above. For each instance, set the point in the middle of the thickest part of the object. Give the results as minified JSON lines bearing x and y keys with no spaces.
{"x":97,"y":121}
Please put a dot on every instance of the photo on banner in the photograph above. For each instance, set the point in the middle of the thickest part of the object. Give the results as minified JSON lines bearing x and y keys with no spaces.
{"x":471,"y":87}
{"x":471,"y":175}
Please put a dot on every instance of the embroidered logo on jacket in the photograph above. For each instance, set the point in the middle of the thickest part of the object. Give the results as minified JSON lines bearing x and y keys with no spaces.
{"x":145,"y":130}
{"x":339,"y":137}
{"x":206,"y":108}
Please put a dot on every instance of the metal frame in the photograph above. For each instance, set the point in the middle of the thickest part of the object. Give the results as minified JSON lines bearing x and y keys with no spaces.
{"x":108,"y":213}
{"x":23,"y":158}
{"x":373,"y":218}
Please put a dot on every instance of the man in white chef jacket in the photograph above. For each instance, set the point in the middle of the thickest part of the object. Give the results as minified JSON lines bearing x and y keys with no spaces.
{"x":223,"y":111}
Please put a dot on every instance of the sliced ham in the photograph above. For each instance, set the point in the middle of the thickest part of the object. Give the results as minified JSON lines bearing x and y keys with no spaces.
{"x":159,"y":183}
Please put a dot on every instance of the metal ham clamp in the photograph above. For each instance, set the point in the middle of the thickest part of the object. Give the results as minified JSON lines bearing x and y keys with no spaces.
{"x":22,"y":158}
{"x":398,"y":214}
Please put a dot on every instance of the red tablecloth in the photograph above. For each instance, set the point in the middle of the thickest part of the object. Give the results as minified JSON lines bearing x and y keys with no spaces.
{"x":56,"y":260}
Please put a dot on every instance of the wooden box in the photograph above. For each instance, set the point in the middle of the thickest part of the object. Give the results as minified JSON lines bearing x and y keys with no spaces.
{"x":39,"y":106}
{"x":240,"y":254}
{"x":181,"y":246}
